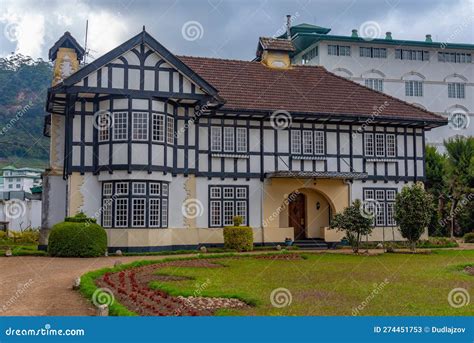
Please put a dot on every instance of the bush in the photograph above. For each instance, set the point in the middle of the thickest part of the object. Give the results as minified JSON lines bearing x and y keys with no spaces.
{"x":238,"y":220}
{"x":26,"y":236}
{"x":77,"y":238}
{"x":413,"y":212}
{"x":354,"y":222}
{"x":469,"y":237}
{"x":239,"y":238}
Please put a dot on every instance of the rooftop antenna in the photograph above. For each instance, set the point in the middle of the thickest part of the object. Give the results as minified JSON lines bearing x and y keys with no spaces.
{"x":85,"y":43}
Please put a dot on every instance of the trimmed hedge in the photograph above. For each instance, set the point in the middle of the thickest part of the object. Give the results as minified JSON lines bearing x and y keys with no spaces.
{"x":239,"y":238}
{"x":80,"y":237}
{"x":469,"y":237}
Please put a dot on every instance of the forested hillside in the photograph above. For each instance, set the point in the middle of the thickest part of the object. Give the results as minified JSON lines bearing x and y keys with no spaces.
{"x":23,"y":87}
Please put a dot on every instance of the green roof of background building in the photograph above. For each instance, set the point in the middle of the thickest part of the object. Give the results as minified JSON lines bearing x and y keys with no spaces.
{"x":305,"y":35}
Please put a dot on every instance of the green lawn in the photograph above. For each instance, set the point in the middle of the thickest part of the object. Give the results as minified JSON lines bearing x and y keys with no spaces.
{"x":335,"y":284}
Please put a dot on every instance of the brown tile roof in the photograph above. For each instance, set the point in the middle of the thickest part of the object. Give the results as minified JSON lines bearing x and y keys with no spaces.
{"x":248,"y":86}
{"x":269,"y":43}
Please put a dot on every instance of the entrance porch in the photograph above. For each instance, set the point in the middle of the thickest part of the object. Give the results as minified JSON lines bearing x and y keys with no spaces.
{"x":305,"y":204}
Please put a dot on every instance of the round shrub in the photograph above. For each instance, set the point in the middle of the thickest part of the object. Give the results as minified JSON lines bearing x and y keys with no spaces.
{"x":239,"y":238}
{"x":469,"y":237}
{"x":79,"y":237}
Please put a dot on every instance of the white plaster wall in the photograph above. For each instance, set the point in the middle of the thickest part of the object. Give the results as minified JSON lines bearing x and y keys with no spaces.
{"x":30,"y":214}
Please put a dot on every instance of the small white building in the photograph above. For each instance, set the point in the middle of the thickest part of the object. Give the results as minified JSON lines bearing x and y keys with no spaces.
{"x":436,"y":76}
{"x":20,"y":198}
{"x":20,"y":179}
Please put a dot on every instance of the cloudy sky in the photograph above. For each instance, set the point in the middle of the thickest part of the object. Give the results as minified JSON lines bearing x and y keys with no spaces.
{"x":220,"y":28}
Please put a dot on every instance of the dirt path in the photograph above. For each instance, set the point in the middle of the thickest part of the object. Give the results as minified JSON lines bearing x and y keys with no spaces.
{"x":41,"y":286}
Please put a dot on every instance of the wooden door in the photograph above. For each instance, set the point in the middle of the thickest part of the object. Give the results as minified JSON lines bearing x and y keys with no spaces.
{"x":297,"y":215}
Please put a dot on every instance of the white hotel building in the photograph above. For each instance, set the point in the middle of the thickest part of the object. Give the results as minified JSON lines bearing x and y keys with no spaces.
{"x":435,"y":76}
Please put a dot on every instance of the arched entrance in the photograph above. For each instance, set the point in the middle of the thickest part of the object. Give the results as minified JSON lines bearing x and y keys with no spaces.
{"x":297,"y":214}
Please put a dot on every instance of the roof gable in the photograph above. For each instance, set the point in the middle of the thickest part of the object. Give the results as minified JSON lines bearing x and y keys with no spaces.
{"x":66,"y":41}
{"x":142,"y":38}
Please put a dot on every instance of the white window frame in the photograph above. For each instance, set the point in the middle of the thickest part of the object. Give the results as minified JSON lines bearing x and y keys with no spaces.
{"x":379,"y":145}
{"x":104,"y":127}
{"x":241,"y":192}
{"x":229,"y":143}
{"x":241,"y":210}
{"x":108,"y":189}
{"x":308,"y":142}
{"x":155,"y":188}
{"x":391,"y":145}
{"x":241,"y":139}
{"x":375,"y":84}
{"x":391,"y":214}
{"x":139,"y":217}
{"x":215,"y":192}
{"x":456,"y":90}
{"x":319,"y":144}
{"x":120,"y":127}
{"x":216,"y":213}
{"x":170,"y":130}
{"x":139,"y":188}
{"x":139,"y":126}
{"x":228,"y":193}
{"x":123,"y":185}
{"x":107,"y":212}
{"x":295,"y":141}
{"x":154,"y":213}
{"x":158,"y":127}
{"x":228,"y":212}
{"x":216,"y":138}
{"x":164,"y":212}
{"x":164,"y":189}
{"x":122,"y":216}
{"x":414,"y":88}
{"x":369,"y":146}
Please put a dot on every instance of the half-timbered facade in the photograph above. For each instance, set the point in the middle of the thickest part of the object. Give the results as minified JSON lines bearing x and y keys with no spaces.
{"x":164,"y":150}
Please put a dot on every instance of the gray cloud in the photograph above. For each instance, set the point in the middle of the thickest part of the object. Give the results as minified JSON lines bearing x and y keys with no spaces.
{"x":230,"y":28}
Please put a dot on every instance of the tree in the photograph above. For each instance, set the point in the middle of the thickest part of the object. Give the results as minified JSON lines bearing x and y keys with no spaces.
{"x":435,"y":185}
{"x":354,"y":222}
{"x":412,"y":212}
{"x":459,"y":175}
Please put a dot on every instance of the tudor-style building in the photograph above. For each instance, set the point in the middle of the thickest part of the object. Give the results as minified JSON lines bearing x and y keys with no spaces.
{"x":164,"y":150}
